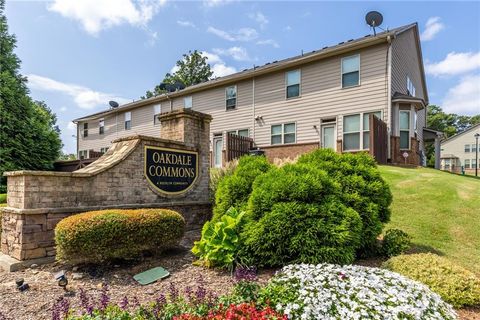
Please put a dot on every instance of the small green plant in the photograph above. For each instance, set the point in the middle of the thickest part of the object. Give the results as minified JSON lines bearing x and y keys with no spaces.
{"x":218,"y":174}
{"x":455,"y":284}
{"x":395,"y":242}
{"x":220,"y":240}
{"x":3,"y":198}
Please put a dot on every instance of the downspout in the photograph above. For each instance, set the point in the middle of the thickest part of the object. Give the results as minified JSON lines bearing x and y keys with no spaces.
{"x":389,"y":96}
{"x":253,"y":106}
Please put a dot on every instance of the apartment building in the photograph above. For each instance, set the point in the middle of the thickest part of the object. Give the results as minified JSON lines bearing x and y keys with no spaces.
{"x":459,"y":153}
{"x":288,"y":107}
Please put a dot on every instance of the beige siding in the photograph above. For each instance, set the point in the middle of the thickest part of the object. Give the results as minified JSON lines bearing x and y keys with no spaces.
{"x":456,"y":146}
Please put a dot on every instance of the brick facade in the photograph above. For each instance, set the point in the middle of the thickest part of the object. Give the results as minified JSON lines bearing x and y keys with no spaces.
{"x":397,"y":154}
{"x":38,"y":200}
{"x":288,"y":151}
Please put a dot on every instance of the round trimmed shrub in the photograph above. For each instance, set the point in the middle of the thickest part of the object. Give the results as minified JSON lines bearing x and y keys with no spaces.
{"x":233,"y":190}
{"x":295,"y":215}
{"x":395,"y":242}
{"x":362,"y":188}
{"x":453,"y":283}
{"x":99,"y":236}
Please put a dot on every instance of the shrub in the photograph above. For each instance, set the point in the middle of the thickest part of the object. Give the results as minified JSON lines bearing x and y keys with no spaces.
{"x":452,"y":282}
{"x":351,"y":292}
{"x":234,"y":190}
{"x":218,"y":174}
{"x":395,"y":242}
{"x":362,"y":188}
{"x":220,"y":240}
{"x":98,"y":236}
{"x":3,"y":198}
{"x":244,"y":311}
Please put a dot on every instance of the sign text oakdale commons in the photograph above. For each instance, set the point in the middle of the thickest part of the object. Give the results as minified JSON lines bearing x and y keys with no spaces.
{"x":170,"y":171}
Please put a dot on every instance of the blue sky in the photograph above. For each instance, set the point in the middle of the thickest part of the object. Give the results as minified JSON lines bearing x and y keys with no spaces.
{"x":78,"y":55}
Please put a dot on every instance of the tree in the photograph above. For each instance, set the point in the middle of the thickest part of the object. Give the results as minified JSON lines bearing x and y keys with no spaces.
{"x":29,"y":137}
{"x":192,"y":69}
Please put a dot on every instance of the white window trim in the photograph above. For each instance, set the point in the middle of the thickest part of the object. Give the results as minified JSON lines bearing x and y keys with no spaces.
{"x":85,"y":130}
{"x":408,"y":130}
{"x":191,"y":99}
{"x":101,"y":126}
{"x":359,"y":71}
{"x":465,"y":148}
{"x":129,"y":120}
{"x":299,"y":84}
{"x":226,"y":98}
{"x":237,"y":130}
{"x":155,"y":114}
{"x":283,"y":133}
{"x":465,"y":164}
{"x":361,"y":129}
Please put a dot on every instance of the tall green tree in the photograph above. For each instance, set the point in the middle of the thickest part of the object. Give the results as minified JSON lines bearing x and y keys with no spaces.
{"x":29,"y":137}
{"x":192,"y":69}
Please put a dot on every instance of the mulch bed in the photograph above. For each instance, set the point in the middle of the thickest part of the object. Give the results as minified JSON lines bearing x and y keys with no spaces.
{"x":37,"y":302}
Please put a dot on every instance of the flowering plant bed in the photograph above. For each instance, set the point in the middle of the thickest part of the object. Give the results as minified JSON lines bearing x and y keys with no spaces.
{"x":328,"y":291}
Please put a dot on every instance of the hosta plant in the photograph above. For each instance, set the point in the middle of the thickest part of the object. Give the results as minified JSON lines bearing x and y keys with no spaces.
{"x":328,"y":291}
{"x":220,"y":240}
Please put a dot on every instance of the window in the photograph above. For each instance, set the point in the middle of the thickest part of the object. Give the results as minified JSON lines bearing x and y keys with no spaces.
{"x":351,"y":71}
{"x":231,"y":97}
{"x":410,"y":87}
{"x":157,"y":109}
{"x":366,"y":127}
{"x":474,"y":148}
{"x":82,"y":154}
{"x":351,"y":132}
{"x":404,"y":129}
{"x":467,"y":164}
{"x":128,"y":120}
{"x":283,"y":133}
{"x":85,"y":130}
{"x":187,"y":102}
{"x":242,"y":132}
{"x":447,"y":164}
{"x":104,"y":150}
{"x":474,"y":163}
{"x":293,"y":83}
{"x":101,"y":126}
{"x":467,"y":148}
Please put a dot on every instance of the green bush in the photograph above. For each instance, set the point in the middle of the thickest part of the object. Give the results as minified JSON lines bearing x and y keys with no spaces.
{"x":234,"y":190}
{"x":3,"y":198}
{"x":453,"y":283}
{"x":220,"y":240}
{"x":395,"y":242}
{"x":362,"y":189}
{"x":295,"y":216}
{"x":99,"y":236}
{"x":218,"y":174}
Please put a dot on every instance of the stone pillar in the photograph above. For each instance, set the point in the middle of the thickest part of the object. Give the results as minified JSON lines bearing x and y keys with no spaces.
{"x":437,"y":152}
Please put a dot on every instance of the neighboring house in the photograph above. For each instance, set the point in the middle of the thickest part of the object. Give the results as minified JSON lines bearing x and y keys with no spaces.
{"x":288,"y":107}
{"x":458,"y":153}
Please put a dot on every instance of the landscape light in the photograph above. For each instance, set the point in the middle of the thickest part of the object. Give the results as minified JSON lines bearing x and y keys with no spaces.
{"x":21,"y":285}
{"x":61,"y":277}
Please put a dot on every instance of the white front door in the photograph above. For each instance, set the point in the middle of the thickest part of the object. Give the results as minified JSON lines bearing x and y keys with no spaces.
{"x":217,"y":151}
{"x":328,"y":136}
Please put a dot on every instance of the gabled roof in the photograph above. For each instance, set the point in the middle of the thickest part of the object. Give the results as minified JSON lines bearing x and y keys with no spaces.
{"x":340,"y":48}
{"x":462,"y":133}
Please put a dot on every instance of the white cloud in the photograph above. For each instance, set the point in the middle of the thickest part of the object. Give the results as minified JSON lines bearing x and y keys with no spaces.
{"x":259,"y":18}
{"x":454,"y":64}
{"x":464,"y":98}
{"x":242,"y":34}
{"x":186,"y":23}
{"x":269,"y":42}
{"x":63,"y":109}
{"x":97,"y":15}
{"x":72,"y":126}
{"x":215,"y":3}
{"x":237,"y":53}
{"x":432,"y":27}
{"x":84,"y":97}
{"x":212,"y":58}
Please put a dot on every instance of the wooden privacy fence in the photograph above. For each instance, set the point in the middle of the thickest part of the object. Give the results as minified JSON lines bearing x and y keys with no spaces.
{"x":378,"y":139}
{"x":236,"y":146}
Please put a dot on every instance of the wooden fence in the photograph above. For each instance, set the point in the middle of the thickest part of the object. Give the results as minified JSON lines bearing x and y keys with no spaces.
{"x":236,"y":146}
{"x":378,"y":139}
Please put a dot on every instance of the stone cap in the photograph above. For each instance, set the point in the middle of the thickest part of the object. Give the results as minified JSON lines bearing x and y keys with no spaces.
{"x":185,"y":113}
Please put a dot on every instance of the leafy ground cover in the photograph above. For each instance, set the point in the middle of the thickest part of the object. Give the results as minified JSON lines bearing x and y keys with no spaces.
{"x":439,"y":210}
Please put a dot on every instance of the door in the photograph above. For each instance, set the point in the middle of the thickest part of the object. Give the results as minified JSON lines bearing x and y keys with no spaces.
{"x":217,"y":151}
{"x":328,"y":136}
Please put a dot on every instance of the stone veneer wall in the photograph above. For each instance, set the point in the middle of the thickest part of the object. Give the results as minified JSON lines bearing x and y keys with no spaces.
{"x":38,"y":200}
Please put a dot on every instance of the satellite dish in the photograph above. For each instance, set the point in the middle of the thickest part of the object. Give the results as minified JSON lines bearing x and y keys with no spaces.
{"x":113,"y":104}
{"x":374,"y":19}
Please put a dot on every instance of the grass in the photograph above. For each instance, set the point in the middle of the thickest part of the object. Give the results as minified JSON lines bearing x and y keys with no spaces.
{"x":3,"y":198}
{"x":440,"y":211}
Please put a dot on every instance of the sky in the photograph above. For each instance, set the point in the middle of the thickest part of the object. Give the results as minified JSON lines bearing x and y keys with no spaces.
{"x":80,"y":54}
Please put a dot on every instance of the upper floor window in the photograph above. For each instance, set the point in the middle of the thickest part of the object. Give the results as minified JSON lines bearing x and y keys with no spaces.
{"x":293,"y":83}
{"x":283,"y":133}
{"x":157,"y":109}
{"x":187,"y":102}
{"x":242,"y":132}
{"x":101,"y":126}
{"x":231,"y":97}
{"x":404,"y":129}
{"x":351,"y":71}
{"x":467,"y":148}
{"x":474,"y":148}
{"x":128,"y":120}
{"x":410,"y":87}
{"x":85,"y":129}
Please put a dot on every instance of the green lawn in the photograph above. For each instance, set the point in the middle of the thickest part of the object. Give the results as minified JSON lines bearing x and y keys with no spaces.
{"x":441,"y":211}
